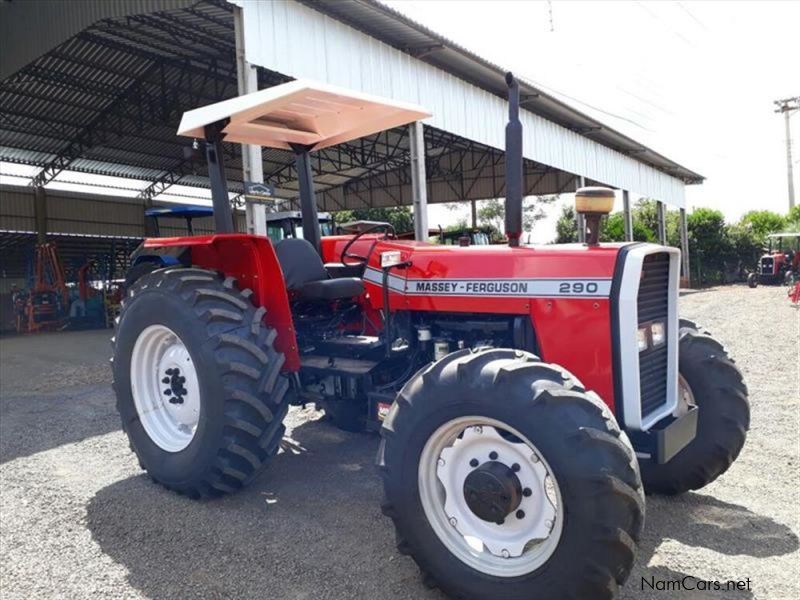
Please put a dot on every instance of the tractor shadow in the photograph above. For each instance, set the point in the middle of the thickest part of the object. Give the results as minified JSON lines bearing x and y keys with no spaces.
{"x":311,"y":527}
{"x":702,"y":521}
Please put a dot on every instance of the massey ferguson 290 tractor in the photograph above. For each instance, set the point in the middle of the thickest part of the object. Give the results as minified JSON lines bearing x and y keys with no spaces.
{"x":781,"y":263}
{"x":527,"y":396}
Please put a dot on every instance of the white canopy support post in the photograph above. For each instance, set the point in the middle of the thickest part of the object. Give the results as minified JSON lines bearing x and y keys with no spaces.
{"x":687,"y":271}
{"x":627,"y":215}
{"x":419,"y":191}
{"x":579,"y":218}
{"x":662,"y":222}
{"x":252,"y":165}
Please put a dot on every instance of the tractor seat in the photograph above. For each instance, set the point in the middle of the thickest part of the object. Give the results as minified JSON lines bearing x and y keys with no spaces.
{"x":306,"y":276}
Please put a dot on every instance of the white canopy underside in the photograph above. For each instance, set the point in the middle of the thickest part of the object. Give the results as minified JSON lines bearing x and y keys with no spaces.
{"x":301,"y":112}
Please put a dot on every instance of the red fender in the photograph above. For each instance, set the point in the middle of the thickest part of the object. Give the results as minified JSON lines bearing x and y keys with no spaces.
{"x":252,"y":261}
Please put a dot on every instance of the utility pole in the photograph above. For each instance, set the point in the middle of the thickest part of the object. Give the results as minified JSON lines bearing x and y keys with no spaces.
{"x":788,"y":106}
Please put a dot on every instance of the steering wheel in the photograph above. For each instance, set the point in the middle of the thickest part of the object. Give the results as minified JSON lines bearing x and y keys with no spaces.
{"x":363,"y":260}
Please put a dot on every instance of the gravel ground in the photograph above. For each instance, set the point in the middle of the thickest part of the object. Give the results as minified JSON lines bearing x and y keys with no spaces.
{"x":78,"y":518}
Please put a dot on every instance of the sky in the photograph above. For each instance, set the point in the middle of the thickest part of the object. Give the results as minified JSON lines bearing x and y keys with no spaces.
{"x":694,"y":81}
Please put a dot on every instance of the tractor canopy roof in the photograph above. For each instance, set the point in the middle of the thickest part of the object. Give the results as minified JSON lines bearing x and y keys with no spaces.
{"x":788,"y":234}
{"x":302,"y":112}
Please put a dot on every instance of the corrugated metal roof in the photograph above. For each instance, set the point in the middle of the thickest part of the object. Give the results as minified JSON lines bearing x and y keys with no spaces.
{"x":106,"y":90}
{"x":387,"y":24}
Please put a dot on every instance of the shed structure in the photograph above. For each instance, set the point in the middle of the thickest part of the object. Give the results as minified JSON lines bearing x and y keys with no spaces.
{"x":102,"y":86}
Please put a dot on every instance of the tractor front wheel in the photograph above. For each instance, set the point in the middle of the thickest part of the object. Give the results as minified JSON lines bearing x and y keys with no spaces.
{"x":712,"y":382}
{"x":752,"y":280}
{"x":506,"y":479}
{"x":198,"y":381}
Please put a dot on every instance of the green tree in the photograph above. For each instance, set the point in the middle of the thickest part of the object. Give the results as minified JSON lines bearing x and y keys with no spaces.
{"x":710,"y":244}
{"x":793,"y":219}
{"x":763,"y":222}
{"x":493,"y":212}
{"x":566,"y":227}
{"x":399,"y":217}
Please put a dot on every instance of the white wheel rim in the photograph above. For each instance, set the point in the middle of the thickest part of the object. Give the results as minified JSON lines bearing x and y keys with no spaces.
{"x":519,"y":545}
{"x":162,"y":370}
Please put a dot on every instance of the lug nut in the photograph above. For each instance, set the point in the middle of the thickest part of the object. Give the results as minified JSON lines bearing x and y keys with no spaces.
{"x":515,"y":467}
{"x":493,"y":455}
{"x":520,"y":514}
{"x":505,"y":553}
{"x":440,"y":462}
{"x":473,"y":463}
{"x":165,"y":380}
{"x":453,"y":521}
{"x":534,"y":458}
{"x":548,"y":524}
{"x":477,"y":429}
{"x":527,"y":492}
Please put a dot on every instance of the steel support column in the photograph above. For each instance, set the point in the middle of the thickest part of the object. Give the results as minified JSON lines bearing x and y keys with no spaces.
{"x":474,"y":213}
{"x":419,"y":190}
{"x":252,"y":164}
{"x":687,"y":271}
{"x":662,"y":222}
{"x":580,"y":220}
{"x":40,"y":213}
{"x":627,"y":215}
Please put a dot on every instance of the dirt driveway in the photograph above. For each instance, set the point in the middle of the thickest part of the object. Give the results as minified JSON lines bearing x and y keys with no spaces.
{"x":78,"y":518}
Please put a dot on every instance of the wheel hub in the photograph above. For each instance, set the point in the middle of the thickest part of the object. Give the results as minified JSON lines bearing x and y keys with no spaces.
{"x":492,"y":491}
{"x":500,"y":505}
{"x":165,"y":386}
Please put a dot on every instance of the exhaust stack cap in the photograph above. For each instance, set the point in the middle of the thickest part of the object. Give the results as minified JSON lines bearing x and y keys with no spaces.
{"x":594,"y":200}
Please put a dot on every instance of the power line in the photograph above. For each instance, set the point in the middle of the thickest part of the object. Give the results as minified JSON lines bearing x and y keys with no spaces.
{"x":787,"y":106}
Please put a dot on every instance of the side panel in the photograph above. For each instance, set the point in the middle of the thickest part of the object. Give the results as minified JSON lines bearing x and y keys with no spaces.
{"x":576,"y":334}
{"x":250,"y":259}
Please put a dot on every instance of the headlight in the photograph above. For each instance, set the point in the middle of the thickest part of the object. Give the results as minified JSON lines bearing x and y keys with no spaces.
{"x":658,"y":334}
{"x":641,"y":338}
{"x":651,"y":335}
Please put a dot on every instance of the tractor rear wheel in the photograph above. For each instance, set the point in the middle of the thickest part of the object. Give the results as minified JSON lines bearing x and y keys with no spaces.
{"x":198,"y":381}
{"x":712,"y":382}
{"x":505,"y":479}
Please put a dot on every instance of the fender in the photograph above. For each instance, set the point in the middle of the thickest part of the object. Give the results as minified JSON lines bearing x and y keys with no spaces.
{"x":251,"y":260}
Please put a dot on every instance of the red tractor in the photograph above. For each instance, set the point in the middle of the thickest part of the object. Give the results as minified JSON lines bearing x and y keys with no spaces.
{"x":781,"y":264}
{"x":526,"y":397}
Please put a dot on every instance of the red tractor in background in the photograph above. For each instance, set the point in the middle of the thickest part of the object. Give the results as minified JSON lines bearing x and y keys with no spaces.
{"x":526,"y":396}
{"x":781,"y":263}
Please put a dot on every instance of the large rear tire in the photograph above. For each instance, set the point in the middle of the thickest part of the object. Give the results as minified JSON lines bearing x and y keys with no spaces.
{"x":198,"y":381}
{"x":573,"y":531}
{"x":712,"y":382}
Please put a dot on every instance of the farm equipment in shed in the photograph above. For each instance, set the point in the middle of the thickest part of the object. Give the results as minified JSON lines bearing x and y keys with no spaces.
{"x":780,"y":265}
{"x":45,"y":305}
{"x":526,"y":396}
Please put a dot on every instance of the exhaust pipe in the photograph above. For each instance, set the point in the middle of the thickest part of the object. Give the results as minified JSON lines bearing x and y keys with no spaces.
{"x":513,"y":164}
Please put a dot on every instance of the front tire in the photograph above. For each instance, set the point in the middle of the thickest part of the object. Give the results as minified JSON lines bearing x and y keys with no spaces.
{"x":575,"y":528}
{"x":752,"y":280}
{"x":198,"y":381}
{"x":716,"y":386}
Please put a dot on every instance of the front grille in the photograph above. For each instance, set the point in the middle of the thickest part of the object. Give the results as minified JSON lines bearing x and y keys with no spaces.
{"x":653,"y":305}
{"x":767,"y":265}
